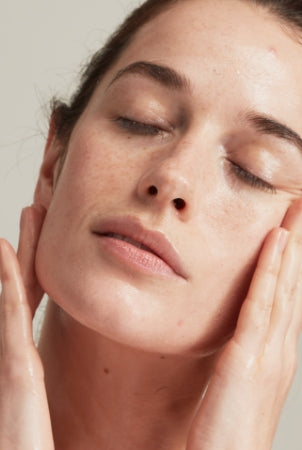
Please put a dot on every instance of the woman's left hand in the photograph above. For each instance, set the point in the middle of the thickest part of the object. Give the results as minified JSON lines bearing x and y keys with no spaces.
{"x":255,"y":369}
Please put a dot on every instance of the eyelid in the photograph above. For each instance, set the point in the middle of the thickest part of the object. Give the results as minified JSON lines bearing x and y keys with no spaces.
{"x":132,"y":123}
{"x":157,"y":122}
{"x":250,"y":178}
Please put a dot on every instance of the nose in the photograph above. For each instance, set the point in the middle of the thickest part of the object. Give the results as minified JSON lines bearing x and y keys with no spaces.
{"x":167,"y":185}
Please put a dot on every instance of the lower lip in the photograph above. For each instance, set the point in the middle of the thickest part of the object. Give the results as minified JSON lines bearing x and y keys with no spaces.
{"x":135,"y":257}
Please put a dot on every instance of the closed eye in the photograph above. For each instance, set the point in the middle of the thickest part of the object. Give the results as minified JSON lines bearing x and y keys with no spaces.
{"x":138,"y":128}
{"x":251,"y":179}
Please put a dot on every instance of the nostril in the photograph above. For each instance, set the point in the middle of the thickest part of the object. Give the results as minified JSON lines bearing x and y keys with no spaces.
{"x":179,"y":203}
{"x":152,"y":190}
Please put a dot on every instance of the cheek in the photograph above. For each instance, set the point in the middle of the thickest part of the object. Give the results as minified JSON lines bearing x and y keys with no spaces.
{"x":95,"y":176}
{"x":93,"y":181}
{"x":230,"y":236}
{"x":240,"y":222}
{"x":98,"y":159}
{"x":238,"y":230}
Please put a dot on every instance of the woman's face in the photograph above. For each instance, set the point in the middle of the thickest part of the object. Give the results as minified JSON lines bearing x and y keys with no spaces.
{"x":204,"y":118}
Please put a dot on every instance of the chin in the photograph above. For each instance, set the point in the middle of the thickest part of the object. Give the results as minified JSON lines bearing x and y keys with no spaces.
{"x":145,"y":315}
{"x":115,"y":319}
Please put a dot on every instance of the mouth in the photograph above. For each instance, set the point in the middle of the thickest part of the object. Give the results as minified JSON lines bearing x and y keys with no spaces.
{"x":130,"y":241}
{"x":125,"y":239}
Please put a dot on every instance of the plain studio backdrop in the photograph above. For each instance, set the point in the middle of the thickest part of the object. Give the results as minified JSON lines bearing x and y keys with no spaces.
{"x":42,"y":46}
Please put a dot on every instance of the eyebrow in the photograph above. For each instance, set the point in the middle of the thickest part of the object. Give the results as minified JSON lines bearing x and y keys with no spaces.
{"x":162,"y":74}
{"x":268,"y":125}
{"x":172,"y":79}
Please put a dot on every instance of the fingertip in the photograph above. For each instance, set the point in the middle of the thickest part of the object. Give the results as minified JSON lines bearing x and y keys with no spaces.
{"x":39,"y":208}
{"x":4,"y":246}
{"x":39,"y":213}
{"x":293,"y":217}
{"x":23,"y":218}
{"x":32,"y":217}
{"x":277,"y":239}
{"x":5,"y":250}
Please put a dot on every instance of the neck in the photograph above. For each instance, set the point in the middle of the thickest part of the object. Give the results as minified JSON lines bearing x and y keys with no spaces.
{"x":106,"y":395}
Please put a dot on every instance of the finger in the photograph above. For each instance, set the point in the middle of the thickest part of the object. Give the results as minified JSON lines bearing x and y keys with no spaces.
{"x":254,"y":318}
{"x":295,"y":326}
{"x":293,"y":217}
{"x":15,"y":315}
{"x":288,"y":352}
{"x":287,"y":292}
{"x":30,"y":228}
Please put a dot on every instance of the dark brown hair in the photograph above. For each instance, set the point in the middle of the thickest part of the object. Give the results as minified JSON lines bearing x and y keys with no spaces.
{"x":65,"y":115}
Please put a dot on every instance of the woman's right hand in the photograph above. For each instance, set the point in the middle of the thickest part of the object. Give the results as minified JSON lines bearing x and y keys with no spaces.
{"x":24,"y":414}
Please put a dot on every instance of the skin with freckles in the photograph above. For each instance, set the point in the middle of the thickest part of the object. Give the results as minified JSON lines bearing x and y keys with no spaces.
{"x":196,"y":137}
{"x":190,"y":147}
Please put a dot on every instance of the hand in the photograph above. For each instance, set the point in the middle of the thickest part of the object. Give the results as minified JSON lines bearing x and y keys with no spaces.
{"x":24,"y":414}
{"x":255,"y":369}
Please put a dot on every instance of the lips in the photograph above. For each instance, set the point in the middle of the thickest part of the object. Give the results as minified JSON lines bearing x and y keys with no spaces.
{"x":130,"y":240}
{"x":131,"y":231}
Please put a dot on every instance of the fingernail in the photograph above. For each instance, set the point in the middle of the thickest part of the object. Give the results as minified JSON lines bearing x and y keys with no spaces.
{"x":282,"y":239}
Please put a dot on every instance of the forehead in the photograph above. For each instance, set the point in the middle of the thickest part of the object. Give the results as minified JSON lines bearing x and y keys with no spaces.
{"x":209,"y":21}
{"x":228,"y":42}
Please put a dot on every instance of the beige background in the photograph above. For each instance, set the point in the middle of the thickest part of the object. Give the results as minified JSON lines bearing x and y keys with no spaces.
{"x":42,"y":44}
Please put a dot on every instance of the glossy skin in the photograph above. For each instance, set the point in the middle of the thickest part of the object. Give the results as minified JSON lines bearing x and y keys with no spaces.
{"x":187,"y":152}
{"x":123,"y":357}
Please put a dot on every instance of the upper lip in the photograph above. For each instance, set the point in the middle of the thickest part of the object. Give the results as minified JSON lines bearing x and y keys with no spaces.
{"x":156,"y":241}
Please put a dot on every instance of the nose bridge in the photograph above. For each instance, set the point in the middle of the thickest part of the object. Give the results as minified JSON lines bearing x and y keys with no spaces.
{"x":177,"y":168}
{"x":183,"y":155}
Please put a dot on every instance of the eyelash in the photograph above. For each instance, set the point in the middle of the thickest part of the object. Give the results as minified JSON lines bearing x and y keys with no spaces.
{"x":144,"y":129}
{"x":251,"y":179}
{"x":139,"y":128}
